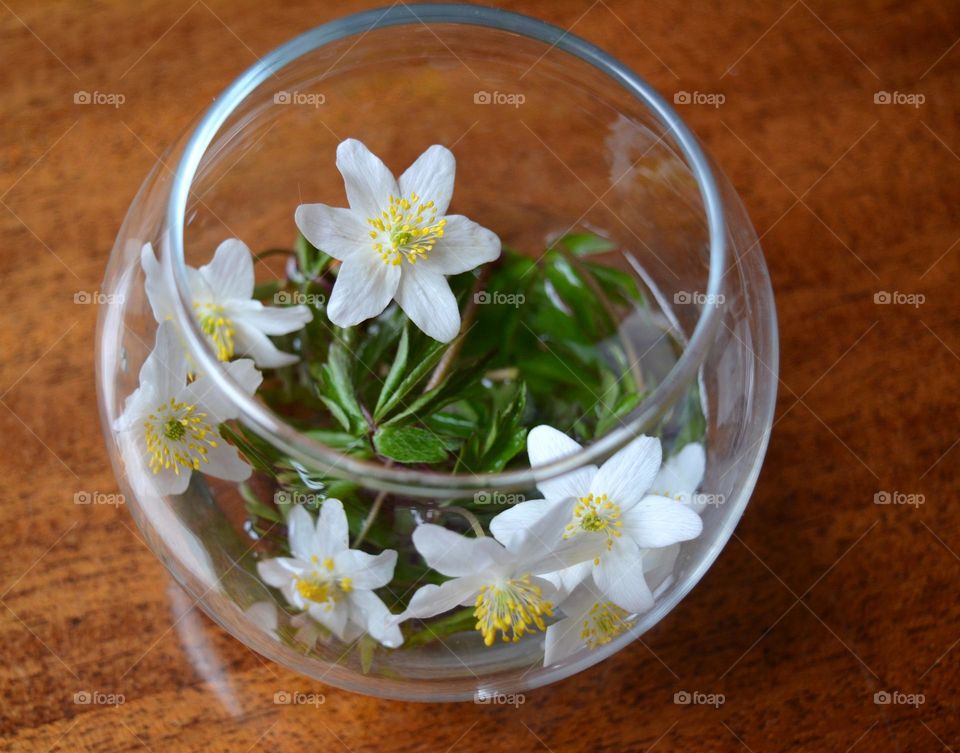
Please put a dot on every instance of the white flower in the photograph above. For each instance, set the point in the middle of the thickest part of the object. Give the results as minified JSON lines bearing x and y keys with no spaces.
{"x":331,"y":582}
{"x":608,"y":507}
{"x":503,"y":584}
{"x":589,"y":621}
{"x":396,"y":240}
{"x":221,"y":293}
{"x":681,"y":475}
{"x":173,"y":426}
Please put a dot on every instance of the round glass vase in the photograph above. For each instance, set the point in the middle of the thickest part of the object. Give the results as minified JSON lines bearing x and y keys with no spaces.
{"x":552,"y":136}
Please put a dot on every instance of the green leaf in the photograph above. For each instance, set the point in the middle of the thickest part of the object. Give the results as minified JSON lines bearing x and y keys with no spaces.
{"x":395,"y":373}
{"x":424,"y":365}
{"x":585,"y":244}
{"x":409,"y":444}
{"x":336,"y":389}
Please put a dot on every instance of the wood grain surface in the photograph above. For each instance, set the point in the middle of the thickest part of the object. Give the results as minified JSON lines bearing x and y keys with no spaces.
{"x":821,"y":600}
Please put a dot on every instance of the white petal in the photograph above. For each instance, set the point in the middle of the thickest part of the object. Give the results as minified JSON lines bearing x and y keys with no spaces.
{"x":337,"y":232}
{"x":368,"y":182}
{"x":230,"y":273}
{"x":364,"y":287}
{"x":627,"y":476}
{"x":431,"y":177}
{"x":465,"y":245}
{"x":619,"y":576}
{"x":562,"y":640}
{"x":271,"y":320}
{"x":431,"y":600}
{"x":516,"y":520}
{"x":658,"y":521}
{"x":544,"y":445}
{"x":301,"y":533}
{"x":682,"y":473}
{"x":252,"y":343}
{"x":332,"y":529}
{"x":159,"y":289}
{"x":165,"y":369}
{"x":566,"y":580}
{"x":168,"y":481}
{"x":369,"y":611}
{"x":332,"y":616}
{"x":225,"y":462}
{"x":203,"y":393}
{"x":658,"y":566}
{"x":542,"y":548}
{"x":426,"y":298}
{"x":366,"y":571}
{"x":279,"y":571}
{"x":454,"y":555}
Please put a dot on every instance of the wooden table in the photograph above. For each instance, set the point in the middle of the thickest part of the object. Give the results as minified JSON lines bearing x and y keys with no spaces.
{"x":823,"y":598}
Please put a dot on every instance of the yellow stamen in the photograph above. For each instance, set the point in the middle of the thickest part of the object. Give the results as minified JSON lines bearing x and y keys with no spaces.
{"x":217,"y":327}
{"x":604,"y":622}
{"x":407,"y":229}
{"x":177,"y":436}
{"x":595,"y":514}
{"x":512,"y":607}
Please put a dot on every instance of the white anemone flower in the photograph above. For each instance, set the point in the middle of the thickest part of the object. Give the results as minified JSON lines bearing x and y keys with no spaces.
{"x":503,"y":584}
{"x":331,"y":582}
{"x":608,"y":507}
{"x":396,"y":240}
{"x":173,"y":426}
{"x":222,"y":295}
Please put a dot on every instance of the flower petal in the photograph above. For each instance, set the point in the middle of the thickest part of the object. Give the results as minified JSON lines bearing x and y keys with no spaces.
{"x":279,"y":571}
{"x":431,"y":177}
{"x":340,"y":233}
{"x":366,"y":571}
{"x":465,"y":245}
{"x":208,"y":398}
{"x":619,"y":576}
{"x":301,"y":533}
{"x":252,"y":343}
{"x":544,"y":445}
{"x":224,"y":461}
{"x":658,"y":521}
{"x":454,"y":555}
{"x":627,"y":476}
{"x":369,"y":611}
{"x":333,"y":617}
{"x":516,"y":520}
{"x":426,"y":298}
{"x":271,"y":320}
{"x":681,"y":473}
{"x":562,"y":640}
{"x":230,"y":272}
{"x":159,"y":289}
{"x":368,"y":182}
{"x":431,"y":600}
{"x":332,"y":530}
{"x":165,"y":369}
{"x":566,"y":580}
{"x":364,"y":287}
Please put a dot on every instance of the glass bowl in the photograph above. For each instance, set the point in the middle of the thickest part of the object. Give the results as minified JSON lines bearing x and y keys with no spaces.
{"x":554,"y":140}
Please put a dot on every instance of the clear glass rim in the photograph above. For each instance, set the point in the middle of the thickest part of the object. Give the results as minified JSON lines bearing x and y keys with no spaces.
{"x":268,"y":424}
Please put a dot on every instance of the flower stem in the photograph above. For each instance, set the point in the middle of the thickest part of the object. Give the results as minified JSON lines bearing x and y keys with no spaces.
{"x":469,"y":314}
